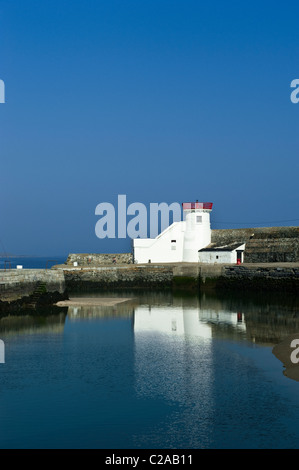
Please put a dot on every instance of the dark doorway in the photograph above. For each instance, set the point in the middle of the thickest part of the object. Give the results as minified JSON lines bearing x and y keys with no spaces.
{"x":239,"y":256}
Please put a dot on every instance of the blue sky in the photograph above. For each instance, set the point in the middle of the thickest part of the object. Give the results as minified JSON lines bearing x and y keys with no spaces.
{"x":164,"y":101}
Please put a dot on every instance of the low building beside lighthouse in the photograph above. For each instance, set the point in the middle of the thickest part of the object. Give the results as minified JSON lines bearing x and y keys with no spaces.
{"x":228,"y":254}
{"x":187,"y":241}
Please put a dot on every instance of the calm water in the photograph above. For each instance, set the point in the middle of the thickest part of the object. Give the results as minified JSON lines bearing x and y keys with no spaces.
{"x":155,"y":372}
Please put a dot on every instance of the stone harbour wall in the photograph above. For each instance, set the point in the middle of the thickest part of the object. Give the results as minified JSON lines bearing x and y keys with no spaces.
{"x":186,"y":276}
{"x":276,"y":277}
{"x":46,"y":287}
{"x":18,"y":283}
{"x":134,"y":276}
{"x":96,"y":259}
{"x":263,"y":244}
{"x":272,"y":250}
{"x":253,"y":277}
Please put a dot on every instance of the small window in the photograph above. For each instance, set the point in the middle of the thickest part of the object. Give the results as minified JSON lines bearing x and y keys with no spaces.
{"x":217,"y":257}
{"x":199,"y":219}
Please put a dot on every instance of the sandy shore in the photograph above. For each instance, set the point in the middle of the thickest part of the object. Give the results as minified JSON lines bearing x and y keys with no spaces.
{"x":85,"y":301}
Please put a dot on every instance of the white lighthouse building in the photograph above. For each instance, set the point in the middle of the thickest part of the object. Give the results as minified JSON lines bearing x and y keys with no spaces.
{"x":188,"y":241}
{"x":197,"y":229}
{"x":181,"y":241}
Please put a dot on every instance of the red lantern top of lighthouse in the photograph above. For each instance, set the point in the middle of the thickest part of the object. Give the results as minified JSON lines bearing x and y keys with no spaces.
{"x":187,"y":206}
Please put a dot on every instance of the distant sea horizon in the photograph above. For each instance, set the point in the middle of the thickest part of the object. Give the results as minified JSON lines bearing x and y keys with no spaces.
{"x":10,"y":261}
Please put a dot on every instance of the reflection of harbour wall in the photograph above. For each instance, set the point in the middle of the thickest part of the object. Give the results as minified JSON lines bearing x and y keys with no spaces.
{"x":90,"y":312}
{"x":271,"y":328}
{"x":268,"y":318}
{"x":32,"y":324}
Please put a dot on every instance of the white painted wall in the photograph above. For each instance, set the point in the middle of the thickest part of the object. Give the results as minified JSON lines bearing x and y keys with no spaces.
{"x":161,"y":249}
{"x":214,"y":257}
{"x":224,"y":257}
{"x":190,"y":236}
{"x":197,"y":234}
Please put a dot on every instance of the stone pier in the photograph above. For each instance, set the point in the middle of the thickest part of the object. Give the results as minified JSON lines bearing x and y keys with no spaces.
{"x":31,"y":284}
{"x":52,"y":285}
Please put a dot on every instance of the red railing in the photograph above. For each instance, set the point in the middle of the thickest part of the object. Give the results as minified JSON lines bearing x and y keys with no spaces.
{"x":197,"y":205}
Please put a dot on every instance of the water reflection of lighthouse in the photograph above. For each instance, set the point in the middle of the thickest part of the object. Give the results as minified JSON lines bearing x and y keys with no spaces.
{"x":174,"y":351}
{"x":170,"y":320}
{"x":173,"y":358}
{"x":188,"y":320}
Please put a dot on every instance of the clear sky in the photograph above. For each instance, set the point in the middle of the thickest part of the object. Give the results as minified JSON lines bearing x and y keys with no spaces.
{"x":160,"y":100}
